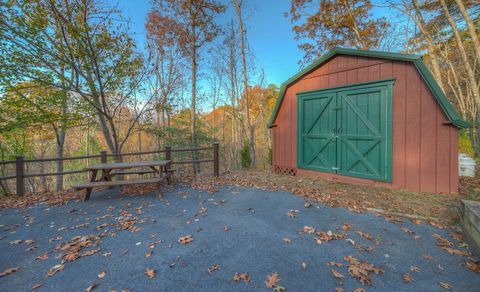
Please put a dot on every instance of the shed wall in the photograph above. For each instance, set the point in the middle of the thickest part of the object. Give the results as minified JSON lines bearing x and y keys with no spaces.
{"x":425,"y":143}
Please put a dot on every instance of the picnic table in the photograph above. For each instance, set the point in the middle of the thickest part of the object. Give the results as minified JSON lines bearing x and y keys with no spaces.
{"x":161,"y":170}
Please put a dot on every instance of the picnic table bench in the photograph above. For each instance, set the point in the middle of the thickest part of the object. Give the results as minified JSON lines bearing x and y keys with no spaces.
{"x":161,"y":169}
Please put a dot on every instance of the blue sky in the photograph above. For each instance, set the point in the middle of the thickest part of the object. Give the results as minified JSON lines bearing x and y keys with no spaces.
{"x":268,"y":31}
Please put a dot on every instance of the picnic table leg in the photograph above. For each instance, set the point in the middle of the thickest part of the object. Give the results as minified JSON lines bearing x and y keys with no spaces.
{"x":168,"y":174}
{"x":89,"y":190}
{"x":158,"y":194}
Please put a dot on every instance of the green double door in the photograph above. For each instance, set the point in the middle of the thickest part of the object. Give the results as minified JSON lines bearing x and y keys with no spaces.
{"x":347,"y":130}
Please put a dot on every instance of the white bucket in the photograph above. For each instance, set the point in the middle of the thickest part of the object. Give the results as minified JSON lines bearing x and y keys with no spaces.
{"x":466,"y":165}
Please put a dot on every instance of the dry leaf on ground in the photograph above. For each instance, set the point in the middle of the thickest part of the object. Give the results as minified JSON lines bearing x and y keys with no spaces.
{"x":414,"y":269}
{"x":36,"y":286}
{"x":339,"y":276}
{"x":150,"y":273}
{"x":241,"y":277}
{"x":9,"y":271}
{"x":334,"y":264}
{"x":101,"y":275}
{"x":91,"y":287}
{"x":473,"y":266}
{"x":445,"y":285}
{"x":272,"y":280}
{"x":213,"y":268}
{"x":53,"y":270}
{"x":361,"y":270}
{"x":407,"y":278}
{"x":308,"y":229}
{"x":185,"y":239}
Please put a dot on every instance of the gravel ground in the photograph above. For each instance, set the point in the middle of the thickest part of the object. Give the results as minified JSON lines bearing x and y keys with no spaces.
{"x":239,"y":229}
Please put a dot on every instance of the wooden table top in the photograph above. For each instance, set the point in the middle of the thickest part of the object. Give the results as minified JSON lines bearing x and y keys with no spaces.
{"x":126,"y":165}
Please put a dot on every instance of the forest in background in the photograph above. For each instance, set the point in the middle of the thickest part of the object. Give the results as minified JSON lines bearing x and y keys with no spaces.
{"x":73,"y":81}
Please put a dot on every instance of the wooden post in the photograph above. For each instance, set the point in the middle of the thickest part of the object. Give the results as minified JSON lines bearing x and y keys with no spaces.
{"x":216,"y":163}
{"x":168,"y":155}
{"x":20,"y":172}
{"x":103,"y":156}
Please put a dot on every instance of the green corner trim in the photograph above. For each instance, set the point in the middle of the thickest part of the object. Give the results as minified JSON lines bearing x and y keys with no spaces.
{"x":445,"y":104}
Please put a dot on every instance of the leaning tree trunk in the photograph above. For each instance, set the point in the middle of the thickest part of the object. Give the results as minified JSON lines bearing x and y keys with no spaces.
{"x":251,"y":129}
{"x":420,"y":22}
{"x":471,"y":28}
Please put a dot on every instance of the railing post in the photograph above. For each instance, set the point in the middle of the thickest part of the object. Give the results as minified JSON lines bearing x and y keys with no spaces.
{"x":20,"y":175}
{"x":216,"y":163}
{"x":168,"y":155}
{"x":103,"y":156}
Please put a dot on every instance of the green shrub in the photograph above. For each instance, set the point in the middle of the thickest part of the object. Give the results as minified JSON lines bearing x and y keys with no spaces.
{"x":245,"y":158}
{"x":465,"y":144}
{"x":270,"y":156}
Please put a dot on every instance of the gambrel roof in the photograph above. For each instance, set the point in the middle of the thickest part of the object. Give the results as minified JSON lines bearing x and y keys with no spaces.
{"x":417,"y":60}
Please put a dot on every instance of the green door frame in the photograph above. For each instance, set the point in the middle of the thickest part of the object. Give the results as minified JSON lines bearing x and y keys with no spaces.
{"x":387,"y":84}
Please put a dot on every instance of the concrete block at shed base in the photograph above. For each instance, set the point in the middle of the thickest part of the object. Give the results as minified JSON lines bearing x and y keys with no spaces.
{"x":470,"y":216}
{"x":466,"y":165}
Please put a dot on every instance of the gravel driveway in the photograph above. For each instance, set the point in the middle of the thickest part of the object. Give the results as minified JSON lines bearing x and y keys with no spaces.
{"x":111,"y":241}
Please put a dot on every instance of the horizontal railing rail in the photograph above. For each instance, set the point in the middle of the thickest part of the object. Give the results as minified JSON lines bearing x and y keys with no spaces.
{"x":21,"y":175}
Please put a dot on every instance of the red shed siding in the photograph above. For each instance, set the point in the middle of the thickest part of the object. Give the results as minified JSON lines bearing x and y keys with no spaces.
{"x":424,"y":154}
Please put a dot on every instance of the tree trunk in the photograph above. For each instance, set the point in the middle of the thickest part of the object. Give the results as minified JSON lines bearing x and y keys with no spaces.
{"x":59,"y":154}
{"x":471,"y":28}
{"x":251,"y":129}
{"x":420,"y":21}
{"x":193,"y":128}
{"x":470,"y":72}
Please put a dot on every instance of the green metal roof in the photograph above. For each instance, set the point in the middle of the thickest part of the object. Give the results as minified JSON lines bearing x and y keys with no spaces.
{"x":445,"y":104}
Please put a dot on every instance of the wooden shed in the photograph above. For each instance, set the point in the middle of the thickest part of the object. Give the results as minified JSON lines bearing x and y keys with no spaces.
{"x":367,"y":116}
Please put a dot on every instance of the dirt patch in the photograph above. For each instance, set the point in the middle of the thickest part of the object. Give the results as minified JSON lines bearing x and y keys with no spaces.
{"x":418,"y":207}
{"x":50,"y":197}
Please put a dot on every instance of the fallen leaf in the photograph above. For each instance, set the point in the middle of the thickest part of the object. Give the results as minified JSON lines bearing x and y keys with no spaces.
{"x":272,"y":280}
{"x":473,"y":266}
{"x":241,"y":277}
{"x":292,"y":213}
{"x":9,"y":271}
{"x":365,"y":235}
{"x":53,"y":270}
{"x":334,"y":264}
{"x":101,"y":275}
{"x":150,"y":273}
{"x":42,"y":257}
{"x":287,"y":240}
{"x":36,"y":286}
{"x":339,"y":276}
{"x":304,"y":265}
{"x":361,"y":270}
{"x":226,"y":228}
{"x":406,"y":230}
{"x":148,"y":254}
{"x":414,"y":269}
{"x":91,"y":287}
{"x":407,"y":278}
{"x":307,"y":205}
{"x":90,"y":252}
{"x":185,"y":239}
{"x":445,"y":285}
{"x":359,"y":290}
{"x":346,"y":226}
{"x":308,"y":229}
{"x":338,"y":289}
{"x":427,"y":256}
{"x":213,"y":268}
{"x":18,"y":241}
